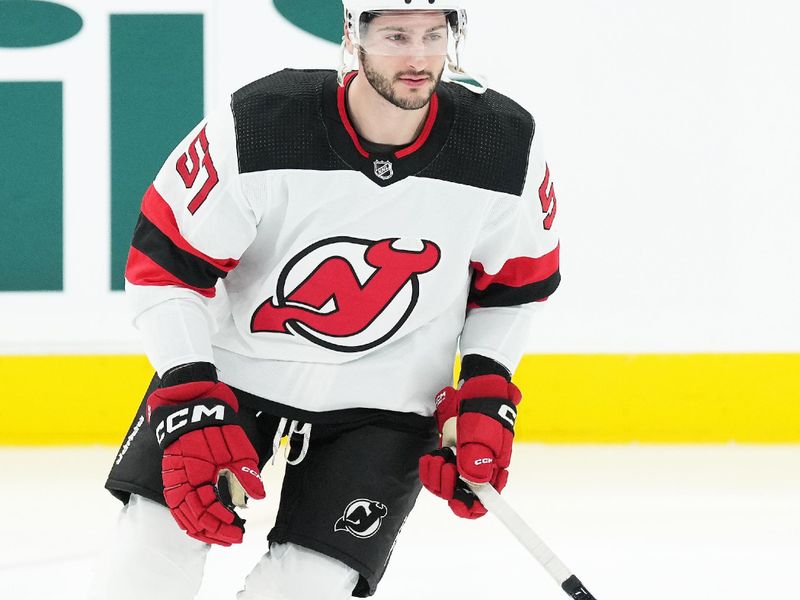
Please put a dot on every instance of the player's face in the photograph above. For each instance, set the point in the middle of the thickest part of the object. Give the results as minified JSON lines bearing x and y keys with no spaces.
{"x":403,"y":55}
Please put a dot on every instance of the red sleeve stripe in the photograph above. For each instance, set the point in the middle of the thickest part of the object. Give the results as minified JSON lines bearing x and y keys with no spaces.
{"x":160,"y":214}
{"x":141,"y":270}
{"x":517,"y":272}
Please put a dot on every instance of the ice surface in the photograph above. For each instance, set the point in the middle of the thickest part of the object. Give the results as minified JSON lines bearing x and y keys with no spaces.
{"x":633,"y":522}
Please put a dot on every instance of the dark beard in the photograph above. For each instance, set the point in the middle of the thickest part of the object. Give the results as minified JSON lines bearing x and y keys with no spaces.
{"x":383,"y":86}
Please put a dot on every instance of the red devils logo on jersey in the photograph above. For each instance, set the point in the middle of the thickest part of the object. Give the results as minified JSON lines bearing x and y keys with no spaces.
{"x":347,"y":294}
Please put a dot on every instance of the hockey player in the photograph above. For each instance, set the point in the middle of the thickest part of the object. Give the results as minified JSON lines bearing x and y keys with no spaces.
{"x":307,"y":263}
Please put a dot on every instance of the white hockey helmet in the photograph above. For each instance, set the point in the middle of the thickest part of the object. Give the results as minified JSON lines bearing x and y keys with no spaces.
{"x":355,"y":12}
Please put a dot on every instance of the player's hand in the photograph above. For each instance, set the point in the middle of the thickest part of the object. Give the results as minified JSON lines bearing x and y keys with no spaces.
{"x":478,"y":421}
{"x":209,"y":465}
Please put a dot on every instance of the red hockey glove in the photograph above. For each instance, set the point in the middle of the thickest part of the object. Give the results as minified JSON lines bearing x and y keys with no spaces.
{"x":209,"y":465}
{"x":484,"y":411}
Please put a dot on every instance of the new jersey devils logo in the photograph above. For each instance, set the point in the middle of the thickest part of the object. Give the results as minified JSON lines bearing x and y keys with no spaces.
{"x":347,"y":294}
{"x":362,"y":518}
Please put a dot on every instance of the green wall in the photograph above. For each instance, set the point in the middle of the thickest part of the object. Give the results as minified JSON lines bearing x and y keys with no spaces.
{"x":322,"y":18}
{"x":157,"y":88}
{"x":30,"y":24}
{"x":31,"y":172}
{"x":156,"y":99}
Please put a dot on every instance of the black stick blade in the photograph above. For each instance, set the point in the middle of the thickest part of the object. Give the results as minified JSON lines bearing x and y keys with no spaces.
{"x":576,"y":590}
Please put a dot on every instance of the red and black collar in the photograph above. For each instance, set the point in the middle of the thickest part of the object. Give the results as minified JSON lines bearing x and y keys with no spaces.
{"x":385,"y":169}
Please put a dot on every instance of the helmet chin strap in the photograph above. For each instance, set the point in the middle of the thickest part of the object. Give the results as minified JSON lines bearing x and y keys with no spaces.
{"x":342,"y":70}
{"x":473,"y":82}
{"x":345,"y":66}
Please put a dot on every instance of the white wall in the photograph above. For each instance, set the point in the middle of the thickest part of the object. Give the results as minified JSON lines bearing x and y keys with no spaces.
{"x":672,"y":131}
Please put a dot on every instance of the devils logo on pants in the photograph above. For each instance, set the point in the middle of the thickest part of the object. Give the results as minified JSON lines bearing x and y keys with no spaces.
{"x":347,"y":294}
{"x":362,"y":518}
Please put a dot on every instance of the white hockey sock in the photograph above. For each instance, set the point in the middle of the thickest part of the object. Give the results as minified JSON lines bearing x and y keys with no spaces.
{"x":149,"y":557}
{"x":292,"y":572}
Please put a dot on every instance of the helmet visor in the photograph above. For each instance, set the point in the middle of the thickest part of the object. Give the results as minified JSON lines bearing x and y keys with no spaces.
{"x":405,"y":33}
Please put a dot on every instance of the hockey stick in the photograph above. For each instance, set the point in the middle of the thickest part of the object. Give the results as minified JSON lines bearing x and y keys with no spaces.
{"x":496,"y":505}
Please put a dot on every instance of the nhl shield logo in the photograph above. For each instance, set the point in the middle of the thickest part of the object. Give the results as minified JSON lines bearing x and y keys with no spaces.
{"x":384,"y":169}
{"x":362,"y":518}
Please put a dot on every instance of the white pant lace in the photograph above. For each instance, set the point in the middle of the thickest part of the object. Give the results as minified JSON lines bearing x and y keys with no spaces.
{"x":294,"y":428}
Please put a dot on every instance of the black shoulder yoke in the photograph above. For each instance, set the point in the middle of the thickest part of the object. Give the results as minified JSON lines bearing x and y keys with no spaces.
{"x":484,"y":140}
{"x":489,"y":143}
{"x":279,"y":123}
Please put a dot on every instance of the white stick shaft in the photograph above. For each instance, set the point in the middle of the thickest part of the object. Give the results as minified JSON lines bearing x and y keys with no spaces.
{"x":495,"y":504}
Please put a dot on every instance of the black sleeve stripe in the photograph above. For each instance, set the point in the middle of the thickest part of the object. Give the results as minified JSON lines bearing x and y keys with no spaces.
{"x":187,"y":267}
{"x":473,"y":365}
{"x":503,"y":295}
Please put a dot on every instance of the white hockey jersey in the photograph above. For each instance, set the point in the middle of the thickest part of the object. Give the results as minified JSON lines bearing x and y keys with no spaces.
{"x":323,"y":277}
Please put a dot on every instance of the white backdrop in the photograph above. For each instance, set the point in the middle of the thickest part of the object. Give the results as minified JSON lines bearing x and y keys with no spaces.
{"x":672,"y":132}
